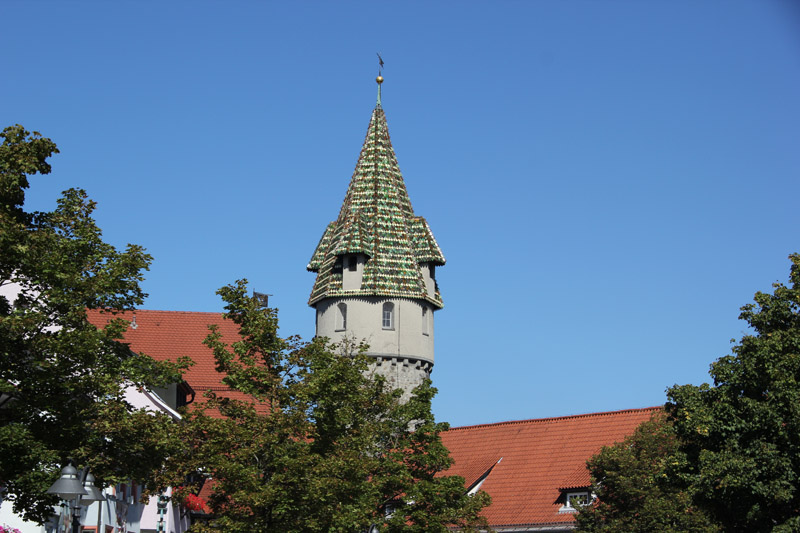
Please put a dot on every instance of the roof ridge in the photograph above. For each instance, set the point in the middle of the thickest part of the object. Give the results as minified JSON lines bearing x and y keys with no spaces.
{"x":217,"y":313}
{"x":554,"y":418}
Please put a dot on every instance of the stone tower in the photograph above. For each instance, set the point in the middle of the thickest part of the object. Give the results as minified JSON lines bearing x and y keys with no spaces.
{"x":376,"y":267}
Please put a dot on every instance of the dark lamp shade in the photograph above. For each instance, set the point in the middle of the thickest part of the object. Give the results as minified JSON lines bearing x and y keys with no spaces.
{"x":93,"y":493}
{"x":68,"y":486}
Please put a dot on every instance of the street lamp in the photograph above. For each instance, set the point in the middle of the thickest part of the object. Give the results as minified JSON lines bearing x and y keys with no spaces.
{"x":76,"y":489}
{"x":93,"y":493}
{"x":68,"y":486}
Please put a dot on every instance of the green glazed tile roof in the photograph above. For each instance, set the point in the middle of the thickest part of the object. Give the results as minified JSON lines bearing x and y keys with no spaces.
{"x":377,"y":220}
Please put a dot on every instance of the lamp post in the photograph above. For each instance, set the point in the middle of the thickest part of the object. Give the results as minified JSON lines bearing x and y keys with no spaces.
{"x":76,"y":488}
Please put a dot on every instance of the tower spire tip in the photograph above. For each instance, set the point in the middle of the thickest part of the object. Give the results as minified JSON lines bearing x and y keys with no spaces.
{"x":379,"y":79}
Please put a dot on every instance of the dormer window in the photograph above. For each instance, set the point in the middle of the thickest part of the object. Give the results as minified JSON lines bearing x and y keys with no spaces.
{"x":574,"y":500}
{"x":352,"y":271}
{"x":388,"y":315}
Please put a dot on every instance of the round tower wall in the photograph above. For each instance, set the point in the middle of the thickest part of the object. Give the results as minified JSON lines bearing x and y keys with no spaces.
{"x":408,"y":334}
{"x":403,"y":373}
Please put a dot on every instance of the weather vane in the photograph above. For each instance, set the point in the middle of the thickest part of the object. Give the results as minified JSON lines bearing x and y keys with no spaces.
{"x":379,"y":79}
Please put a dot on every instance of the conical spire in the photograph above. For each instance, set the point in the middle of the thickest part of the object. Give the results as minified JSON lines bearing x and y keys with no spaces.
{"x":377,"y":220}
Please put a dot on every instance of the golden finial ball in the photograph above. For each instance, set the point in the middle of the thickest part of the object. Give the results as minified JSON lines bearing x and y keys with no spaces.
{"x":379,"y":79}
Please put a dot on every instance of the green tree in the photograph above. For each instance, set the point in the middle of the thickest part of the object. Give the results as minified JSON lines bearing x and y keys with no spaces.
{"x":635,"y":492}
{"x":741,"y":436}
{"x":61,"y":379}
{"x":314,"y":443}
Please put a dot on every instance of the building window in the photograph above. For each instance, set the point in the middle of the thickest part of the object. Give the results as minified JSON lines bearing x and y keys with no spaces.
{"x":432,"y":268}
{"x":425,"y":320}
{"x":337,"y":265}
{"x":388,"y":315}
{"x":341,"y":317}
{"x":575,"y":500}
{"x":352,"y":263}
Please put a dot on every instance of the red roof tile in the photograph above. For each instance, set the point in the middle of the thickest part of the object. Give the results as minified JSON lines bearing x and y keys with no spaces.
{"x":539,"y":457}
{"x":168,"y":335}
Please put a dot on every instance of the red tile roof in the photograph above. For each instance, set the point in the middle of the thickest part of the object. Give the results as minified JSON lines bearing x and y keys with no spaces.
{"x":539,"y":457}
{"x":168,"y":335}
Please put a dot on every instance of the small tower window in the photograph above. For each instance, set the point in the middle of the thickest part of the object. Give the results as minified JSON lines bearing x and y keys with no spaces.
{"x":388,"y":315}
{"x":352,"y":263}
{"x":337,"y":265}
{"x":341,"y":317}
{"x":424,"y":320}
{"x":432,"y":268}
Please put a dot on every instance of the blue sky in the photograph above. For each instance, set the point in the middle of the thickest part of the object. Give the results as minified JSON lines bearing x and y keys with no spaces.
{"x":609,"y":180}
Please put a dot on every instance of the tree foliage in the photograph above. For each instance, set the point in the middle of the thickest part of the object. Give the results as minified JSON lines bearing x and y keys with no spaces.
{"x":22,"y":154}
{"x":741,"y":436}
{"x":635,"y":492}
{"x":314,"y":443}
{"x":63,"y":378}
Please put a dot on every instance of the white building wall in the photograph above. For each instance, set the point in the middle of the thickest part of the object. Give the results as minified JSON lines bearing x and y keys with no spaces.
{"x":403,"y":353}
{"x":9,"y":518}
{"x":429,"y":276}
{"x":406,"y":339}
{"x":353,"y":271}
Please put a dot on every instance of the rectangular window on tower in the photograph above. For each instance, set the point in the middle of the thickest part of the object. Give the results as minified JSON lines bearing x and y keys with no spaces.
{"x":341,"y":317}
{"x":388,"y":315}
{"x":424,"y":320}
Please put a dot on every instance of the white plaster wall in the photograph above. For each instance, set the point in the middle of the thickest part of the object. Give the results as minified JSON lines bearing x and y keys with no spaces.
{"x":430,"y":282}
{"x":403,"y":354}
{"x":351,"y":279}
{"x":9,"y":290}
{"x":9,"y":518}
{"x":365,"y":322}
